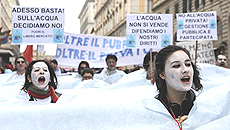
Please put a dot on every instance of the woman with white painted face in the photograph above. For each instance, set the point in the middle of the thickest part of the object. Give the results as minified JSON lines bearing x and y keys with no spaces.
{"x":40,"y":82}
{"x":175,"y":75}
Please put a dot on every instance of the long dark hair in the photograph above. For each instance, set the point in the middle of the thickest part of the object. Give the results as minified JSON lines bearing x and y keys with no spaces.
{"x":161,"y":57}
{"x":79,"y":66}
{"x":53,"y":78}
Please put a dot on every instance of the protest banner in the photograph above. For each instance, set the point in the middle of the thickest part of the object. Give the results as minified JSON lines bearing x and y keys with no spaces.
{"x":205,"y":51}
{"x":196,"y":26}
{"x":94,"y":49}
{"x":33,"y":25}
{"x":149,"y":30}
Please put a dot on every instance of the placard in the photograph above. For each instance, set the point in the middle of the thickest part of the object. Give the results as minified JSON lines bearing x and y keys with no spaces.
{"x":205,"y":51}
{"x":33,"y":25}
{"x":149,"y":30}
{"x":196,"y":26}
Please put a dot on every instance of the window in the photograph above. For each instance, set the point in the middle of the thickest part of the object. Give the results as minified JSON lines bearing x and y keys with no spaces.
{"x":117,"y":18}
{"x":125,"y":2}
{"x":176,"y":9}
{"x":120,"y":11}
{"x":187,"y":6}
{"x":199,"y":3}
{"x":167,"y":11}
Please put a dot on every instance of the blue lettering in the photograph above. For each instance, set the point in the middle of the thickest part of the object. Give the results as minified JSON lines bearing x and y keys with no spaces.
{"x":82,"y":57}
{"x":66,"y":39}
{"x":123,"y":52}
{"x":58,"y":52}
{"x":96,"y":45}
{"x":92,"y":42}
{"x":76,"y":53}
{"x":64,"y":56}
{"x":70,"y":52}
{"x":145,"y":52}
{"x":129,"y":52}
{"x":89,"y":56}
{"x":86,"y":41}
{"x":118,"y":46}
{"x":93,"y":56}
{"x":138,"y":52}
{"x":73,"y":38}
{"x":79,"y":41}
{"x":112,"y":44}
{"x":105,"y":41}
{"x":102,"y":55}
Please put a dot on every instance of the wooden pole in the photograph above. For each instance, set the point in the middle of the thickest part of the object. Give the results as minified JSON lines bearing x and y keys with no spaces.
{"x":196,"y":51}
{"x":37,"y":53}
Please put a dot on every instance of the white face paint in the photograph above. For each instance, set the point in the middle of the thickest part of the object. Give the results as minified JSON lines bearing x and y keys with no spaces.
{"x":40,"y":75}
{"x":179,"y":71}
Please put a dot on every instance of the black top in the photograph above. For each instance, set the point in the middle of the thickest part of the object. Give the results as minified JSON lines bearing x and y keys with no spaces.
{"x":179,"y":110}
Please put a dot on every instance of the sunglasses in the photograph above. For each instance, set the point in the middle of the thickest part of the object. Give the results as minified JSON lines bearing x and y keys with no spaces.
{"x":18,"y":62}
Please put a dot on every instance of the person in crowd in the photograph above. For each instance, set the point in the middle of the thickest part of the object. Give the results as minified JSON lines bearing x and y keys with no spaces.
{"x":57,"y":70}
{"x":87,"y":74}
{"x":41,"y":82}
{"x":82,"y":65}
{"x":16,"y":78}
{"x":10,"y":66}
{"x":111,"y":74}
{"x":149,"y":66}
{"x":89,"y":82}
{"x":127,"y":71}
{"x":20,"y":65}
{"x":47,"y":59}
{"x":221,"y":61}
{"x":2,"y":71}
{"x":175,"y":75}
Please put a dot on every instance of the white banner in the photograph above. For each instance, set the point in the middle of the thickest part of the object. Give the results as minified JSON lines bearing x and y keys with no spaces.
{"x":33,"y":25}
{"x":205,"y":51}
{"x":94,"y":49}
{"x":149,"y":30}
{"x":196,"y":26}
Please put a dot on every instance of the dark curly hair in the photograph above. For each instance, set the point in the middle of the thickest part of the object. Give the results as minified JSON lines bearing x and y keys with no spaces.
{"x":161,"y":57}
{"x":53,"y":78}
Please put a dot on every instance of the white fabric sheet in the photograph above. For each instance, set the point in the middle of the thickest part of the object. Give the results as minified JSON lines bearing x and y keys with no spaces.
{"x":126,"y":105}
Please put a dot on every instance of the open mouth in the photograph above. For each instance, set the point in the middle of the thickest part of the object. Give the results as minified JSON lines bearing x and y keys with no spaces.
{"x":41,"y":80}
{"x":185,"y":79}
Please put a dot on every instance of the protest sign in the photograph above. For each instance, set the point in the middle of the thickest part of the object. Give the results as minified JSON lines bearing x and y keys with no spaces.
{"x":196,"y":26}
{"x":31,"y":25}
{"x":149,"y":30}
{"x":94,"y":49}
{"x":205,"y":51}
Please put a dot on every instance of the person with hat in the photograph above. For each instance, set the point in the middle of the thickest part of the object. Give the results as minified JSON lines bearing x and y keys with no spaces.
{"x":111,"y":74}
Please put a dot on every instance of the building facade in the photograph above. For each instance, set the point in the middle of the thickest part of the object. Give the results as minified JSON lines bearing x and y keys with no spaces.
{"x":222,"y":8}
{"x":110,"y":15}
{"x":87,"y":17}
{"x":7,"y":51}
